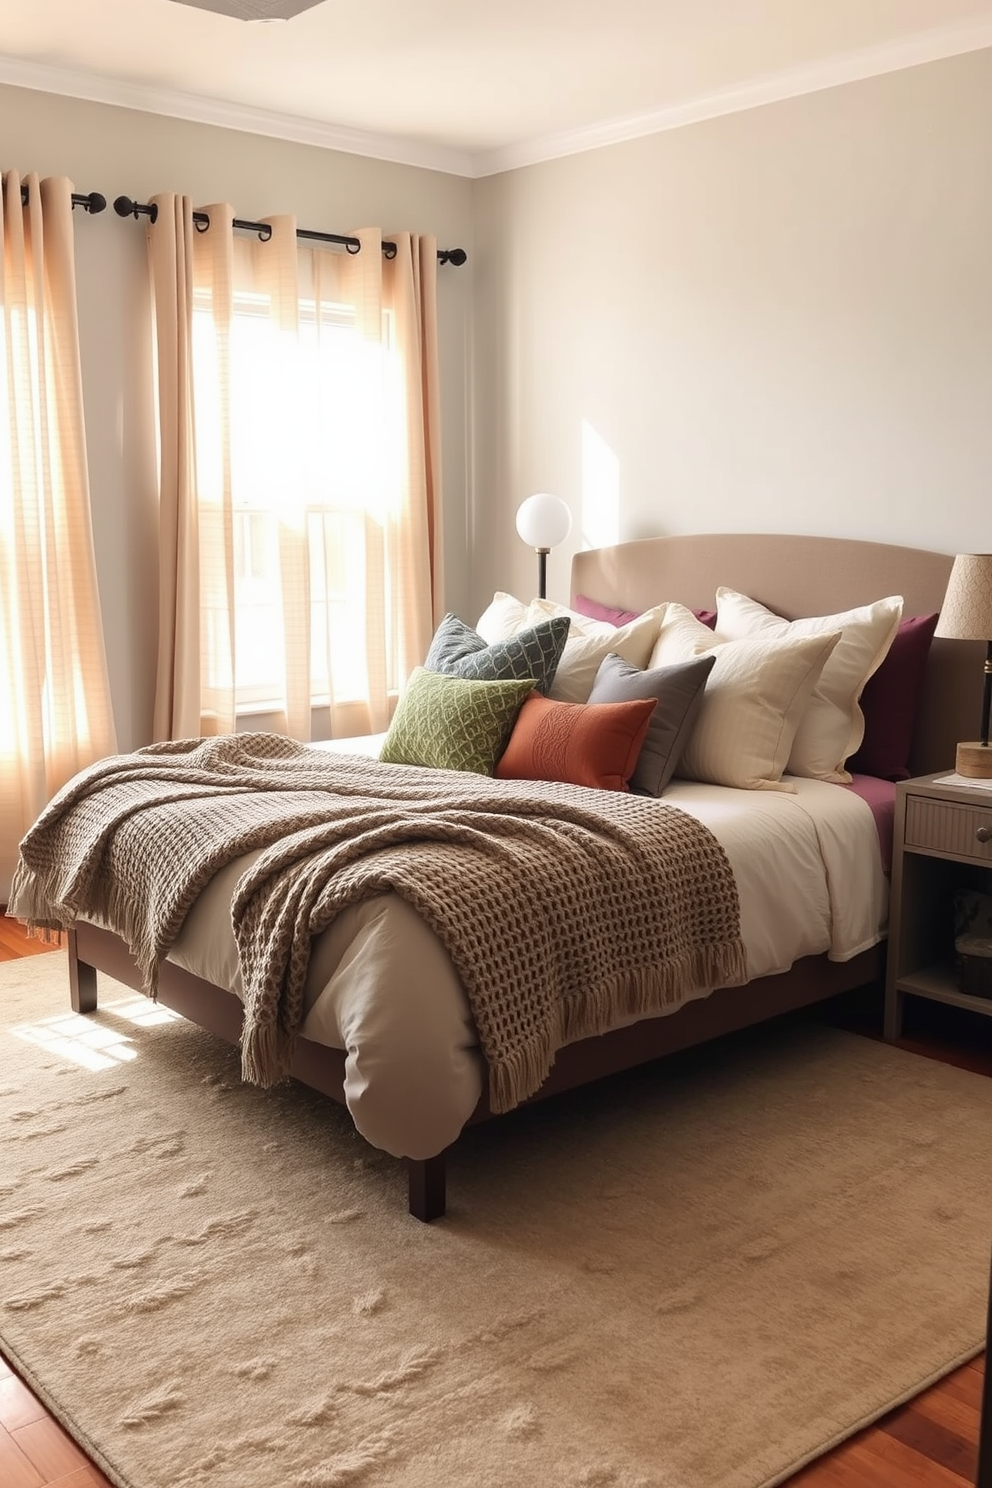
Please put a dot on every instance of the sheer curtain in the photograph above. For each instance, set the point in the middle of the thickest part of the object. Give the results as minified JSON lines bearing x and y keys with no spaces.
{"x":300,"y":485}
{"x":55,"y":711}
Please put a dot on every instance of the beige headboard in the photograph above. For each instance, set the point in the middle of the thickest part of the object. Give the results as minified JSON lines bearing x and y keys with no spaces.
{"x":798,"y":576}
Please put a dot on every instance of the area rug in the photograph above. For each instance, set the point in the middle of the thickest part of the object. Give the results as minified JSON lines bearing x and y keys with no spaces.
{"x":700,"y":1275}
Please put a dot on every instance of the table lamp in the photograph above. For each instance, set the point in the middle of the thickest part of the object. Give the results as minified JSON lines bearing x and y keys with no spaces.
{"x":966,"y":615}
{"x":543,"y":521}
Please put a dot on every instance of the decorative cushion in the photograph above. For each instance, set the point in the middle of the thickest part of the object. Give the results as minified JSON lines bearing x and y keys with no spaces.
{"x":752,"y":702}
{"x":534,"y":652}
{"x":832,"y":726}
{"x":606,"y":614}
{"x":589,"y":641}
{"x":596,"y":611}
{"x":502,"y":618}
{"x":451,"y":723}
{"x":679,"y":693}
{"x":890,"y":700}
{"x":594,"y":744}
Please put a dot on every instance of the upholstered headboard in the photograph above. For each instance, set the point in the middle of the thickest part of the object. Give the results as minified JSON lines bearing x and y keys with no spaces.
{"x":796,"y":577}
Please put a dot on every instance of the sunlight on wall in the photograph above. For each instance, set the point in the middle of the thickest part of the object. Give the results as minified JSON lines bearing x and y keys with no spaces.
{"x":600,"y":525}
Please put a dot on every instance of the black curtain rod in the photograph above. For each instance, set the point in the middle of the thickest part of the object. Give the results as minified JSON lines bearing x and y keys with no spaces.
{"x":125,"y":207}
{"x":91,"y":201}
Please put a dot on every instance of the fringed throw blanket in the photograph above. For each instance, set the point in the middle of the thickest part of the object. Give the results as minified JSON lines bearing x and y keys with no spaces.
{"x":564,"y":910}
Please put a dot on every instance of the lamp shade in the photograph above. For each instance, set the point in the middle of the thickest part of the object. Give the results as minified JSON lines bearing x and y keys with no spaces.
{"x":966,"y":614}
{"x":543,"y":521}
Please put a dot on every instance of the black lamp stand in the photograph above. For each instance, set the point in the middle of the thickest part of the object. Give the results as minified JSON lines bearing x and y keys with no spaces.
{"x":542,"y":584}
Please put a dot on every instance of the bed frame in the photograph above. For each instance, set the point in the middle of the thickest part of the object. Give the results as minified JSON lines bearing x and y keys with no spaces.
{"x":794,"y":576}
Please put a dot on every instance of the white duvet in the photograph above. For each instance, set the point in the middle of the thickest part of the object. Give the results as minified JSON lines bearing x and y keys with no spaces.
{"x":382,"y":988}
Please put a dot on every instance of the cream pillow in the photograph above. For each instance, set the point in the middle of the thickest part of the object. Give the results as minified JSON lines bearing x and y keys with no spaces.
{"x":591,"y":641}
{"x":753,"y":700}
{"x":832,"y":727}
{"x":502,"y":618}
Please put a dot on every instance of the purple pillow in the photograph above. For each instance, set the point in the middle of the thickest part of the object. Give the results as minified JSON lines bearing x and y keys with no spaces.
{"x":593,"y":610}
{"x":889,"y":702}
{"x":596,"y":611}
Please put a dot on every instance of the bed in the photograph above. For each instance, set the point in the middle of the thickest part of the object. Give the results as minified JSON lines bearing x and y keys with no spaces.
{"x":817,"y":830}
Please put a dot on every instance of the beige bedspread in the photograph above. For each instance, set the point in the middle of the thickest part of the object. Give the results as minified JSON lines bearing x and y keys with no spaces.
{"x":564,"y":910}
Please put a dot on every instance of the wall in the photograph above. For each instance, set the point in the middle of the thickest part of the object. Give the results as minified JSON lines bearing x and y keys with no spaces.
{"x":118,"y":151}
{"x":780,"y":320}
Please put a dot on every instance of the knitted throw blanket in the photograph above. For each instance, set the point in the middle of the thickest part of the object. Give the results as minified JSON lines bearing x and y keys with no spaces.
{"x":564,"y":910}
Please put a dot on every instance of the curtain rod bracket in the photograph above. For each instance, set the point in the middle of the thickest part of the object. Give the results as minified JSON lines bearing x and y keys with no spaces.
{"x":90,"y":201}
{"x":124,"y":206}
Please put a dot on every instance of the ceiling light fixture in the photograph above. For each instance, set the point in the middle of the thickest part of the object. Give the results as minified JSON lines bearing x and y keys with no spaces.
{"x":253,"y":10}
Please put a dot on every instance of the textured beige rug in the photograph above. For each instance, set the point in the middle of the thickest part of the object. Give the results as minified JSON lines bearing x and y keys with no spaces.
{"x":698,"y":1276}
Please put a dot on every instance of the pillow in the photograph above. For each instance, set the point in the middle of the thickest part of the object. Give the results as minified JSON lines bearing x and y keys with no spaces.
{"x":890,"y":700}
{"x":593,"y":610}
{"x":535,"y":652}
{"x":450,"y":723}
{"x":589,"y":641}
{"x":594,"y":744}
{"x":596,"y":611}
{"x":501,"y":618}
{"x":679,"y":691}
{"x":752,"y":702}
{"x":832,"y":726}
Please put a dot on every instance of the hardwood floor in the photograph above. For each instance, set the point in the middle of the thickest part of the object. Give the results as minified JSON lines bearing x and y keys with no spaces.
{"x":931,"y":1442}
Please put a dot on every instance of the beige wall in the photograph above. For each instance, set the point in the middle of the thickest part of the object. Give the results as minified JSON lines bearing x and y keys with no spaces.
{"x":780,"y":320}
{"x":121,"y":152}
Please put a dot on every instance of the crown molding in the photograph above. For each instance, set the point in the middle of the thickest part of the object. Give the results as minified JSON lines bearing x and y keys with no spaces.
{"x":196,"y":109}
{"x":832,"y":72}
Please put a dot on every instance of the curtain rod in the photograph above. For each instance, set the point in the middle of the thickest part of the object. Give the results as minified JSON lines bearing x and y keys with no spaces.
{"x":124,"y":206}
{"x":90,"y":201}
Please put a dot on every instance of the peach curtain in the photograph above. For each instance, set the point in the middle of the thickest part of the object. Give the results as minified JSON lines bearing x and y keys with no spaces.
{"x":300,"y":499}
{"x":55,"y":708}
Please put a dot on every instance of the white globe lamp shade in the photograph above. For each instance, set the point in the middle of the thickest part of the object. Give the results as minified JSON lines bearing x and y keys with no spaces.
{"x":543,"y":521}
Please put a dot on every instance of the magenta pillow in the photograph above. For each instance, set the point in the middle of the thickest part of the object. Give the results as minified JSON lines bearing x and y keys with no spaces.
{"x":890,"y":700}
{"x":593,"y":610}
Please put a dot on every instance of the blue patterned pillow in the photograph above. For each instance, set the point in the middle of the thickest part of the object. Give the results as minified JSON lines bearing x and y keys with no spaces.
{"x":459,"y":651}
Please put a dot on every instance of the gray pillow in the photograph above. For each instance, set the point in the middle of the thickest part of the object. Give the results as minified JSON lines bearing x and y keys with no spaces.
{"x":459,"y":651}
{"x":679,"y":690}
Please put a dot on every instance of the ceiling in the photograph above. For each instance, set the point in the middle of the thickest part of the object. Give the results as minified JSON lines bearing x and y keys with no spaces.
{"x":475,"y":86}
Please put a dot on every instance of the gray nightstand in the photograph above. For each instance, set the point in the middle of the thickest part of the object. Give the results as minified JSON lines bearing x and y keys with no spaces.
{"x":942,"y":842}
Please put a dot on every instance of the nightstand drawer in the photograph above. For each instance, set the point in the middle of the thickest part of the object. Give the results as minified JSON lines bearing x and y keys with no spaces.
{"x":945,"y":827}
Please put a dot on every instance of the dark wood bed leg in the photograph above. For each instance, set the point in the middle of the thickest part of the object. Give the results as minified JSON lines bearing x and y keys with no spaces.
{"x":82,"y":980}
{"x":427,"y":1184}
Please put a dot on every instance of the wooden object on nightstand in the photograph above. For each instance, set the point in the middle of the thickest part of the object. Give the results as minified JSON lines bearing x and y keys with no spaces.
{"x":942,"y":843}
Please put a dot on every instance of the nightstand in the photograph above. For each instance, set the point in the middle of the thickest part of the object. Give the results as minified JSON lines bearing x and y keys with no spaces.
{"x":942,"y":842}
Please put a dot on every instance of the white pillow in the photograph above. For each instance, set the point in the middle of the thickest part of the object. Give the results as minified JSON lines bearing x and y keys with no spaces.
{"x":590,"y":641}
{"x":502,"y":618}
{"x":833,"y":726}
{"x":752,"y":703}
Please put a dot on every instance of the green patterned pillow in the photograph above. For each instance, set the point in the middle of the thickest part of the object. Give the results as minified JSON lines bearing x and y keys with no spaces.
{"x":535,"y":652}
{"x":450,"y":723}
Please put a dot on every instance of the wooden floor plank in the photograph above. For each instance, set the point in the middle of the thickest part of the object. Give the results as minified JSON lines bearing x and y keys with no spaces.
{"x":16,"y":1470}
{"x":17,"y":1404}
{"x":900,"y":1465}
{"x":50,"y":1449}
{"x":923,"y":1426}
{"x":85,"y":1477}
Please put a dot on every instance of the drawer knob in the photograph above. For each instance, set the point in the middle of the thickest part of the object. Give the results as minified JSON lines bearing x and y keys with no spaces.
{"x":983,"y":834}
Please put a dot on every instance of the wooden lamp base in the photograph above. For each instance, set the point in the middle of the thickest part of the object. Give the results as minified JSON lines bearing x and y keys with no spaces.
{"x":974,"y":760}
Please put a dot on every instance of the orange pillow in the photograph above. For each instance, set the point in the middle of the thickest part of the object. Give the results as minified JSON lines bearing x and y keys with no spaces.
{"x":593,"y":744}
